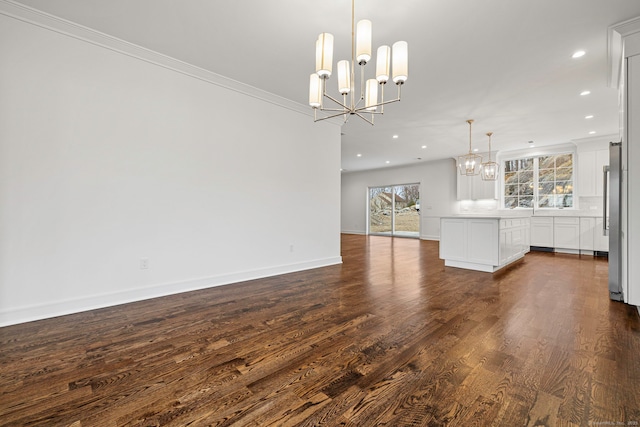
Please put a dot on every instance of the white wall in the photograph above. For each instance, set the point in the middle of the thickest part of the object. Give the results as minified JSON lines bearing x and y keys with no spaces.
{"x":437,"y":194}
{"x":106,"y":159}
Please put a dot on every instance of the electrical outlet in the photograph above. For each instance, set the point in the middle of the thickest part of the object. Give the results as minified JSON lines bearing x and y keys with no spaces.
{"x":144,"y":263}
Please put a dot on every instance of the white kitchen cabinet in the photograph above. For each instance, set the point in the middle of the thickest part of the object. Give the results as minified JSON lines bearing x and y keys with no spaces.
{"x":590,"y":164}
{"x":482,"y":243}
{"x":513,"y":239}
{"x":586,"y":168}
{"x":475,"y":188}
{"x":542,"y":232}
{"x":463,"y":187}
{"x":587,"y":233}
{"x":566,"y":233}
{"x":600,"y":241}
{"x":591,"y":235}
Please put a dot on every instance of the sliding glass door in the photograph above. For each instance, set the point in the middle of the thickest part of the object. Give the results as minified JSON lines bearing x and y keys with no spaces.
{"x":395,"y":210}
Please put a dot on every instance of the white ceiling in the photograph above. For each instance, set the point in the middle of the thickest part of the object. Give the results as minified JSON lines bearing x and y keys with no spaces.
{"x":504,"y":63}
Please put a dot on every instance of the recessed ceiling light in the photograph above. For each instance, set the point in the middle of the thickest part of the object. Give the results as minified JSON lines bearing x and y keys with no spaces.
{"x":590,"y":116}
{"x":585,"y":92}
{"x":387,"y":162}
{"x":592,"y":132}
{"x":395,"y":136}
{"x":424,"y":146}
{"x":359,"y":155}
{"x":578,"y":54}
{"x":475,"y":150}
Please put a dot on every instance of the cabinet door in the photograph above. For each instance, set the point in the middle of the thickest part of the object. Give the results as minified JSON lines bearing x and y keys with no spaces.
{"x":586,"y":233}
{"x":566,"y":232}
{"x":463,"y":186}
{"x":517,"y":241}
{"x":481,"y":189}
{"x":526,"y":230}
{"x":453,"y":239}
{"x":483,"y":245}
{"x":503,"y":246}
{"x":600,"y":241}
{"x":586,"y":173}
{"x":542,"y":232}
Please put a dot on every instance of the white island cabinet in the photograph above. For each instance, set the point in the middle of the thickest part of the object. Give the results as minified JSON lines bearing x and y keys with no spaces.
{"x":483,"y":243}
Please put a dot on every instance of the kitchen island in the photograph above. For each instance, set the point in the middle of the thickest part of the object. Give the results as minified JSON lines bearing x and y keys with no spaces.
{"x":483,"y":243}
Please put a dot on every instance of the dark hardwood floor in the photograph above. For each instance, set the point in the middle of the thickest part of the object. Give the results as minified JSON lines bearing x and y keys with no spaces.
{"x":391,"y":337}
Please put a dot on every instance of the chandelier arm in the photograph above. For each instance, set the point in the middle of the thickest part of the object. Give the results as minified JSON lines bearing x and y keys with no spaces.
{"x":337,"y":102}
{"x":341,"y":113}
{"x":364,"y":118}
{"x":335,"y":110}
{"x":391,"y":101}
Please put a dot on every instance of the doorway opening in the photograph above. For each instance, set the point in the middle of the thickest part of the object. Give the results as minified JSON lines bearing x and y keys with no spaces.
{"x":394,"y":210}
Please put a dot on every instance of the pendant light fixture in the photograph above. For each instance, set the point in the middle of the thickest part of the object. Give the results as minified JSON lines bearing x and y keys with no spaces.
{"x":469,"y":164}
{"x":395,"y":58}
{"x":489,"y":170}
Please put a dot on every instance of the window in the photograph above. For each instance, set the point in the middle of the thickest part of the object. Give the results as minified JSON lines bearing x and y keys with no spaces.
{"x":539,"y":182}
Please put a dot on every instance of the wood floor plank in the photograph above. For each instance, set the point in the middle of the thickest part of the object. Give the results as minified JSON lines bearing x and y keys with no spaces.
{"x":390,"y":337}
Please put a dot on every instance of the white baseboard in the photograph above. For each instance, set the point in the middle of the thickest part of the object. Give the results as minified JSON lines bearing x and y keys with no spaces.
{"x":14,"y":316}
{"x":353,"y":232}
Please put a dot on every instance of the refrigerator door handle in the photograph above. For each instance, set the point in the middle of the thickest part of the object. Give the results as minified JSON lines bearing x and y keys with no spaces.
{"x":605,"y":197}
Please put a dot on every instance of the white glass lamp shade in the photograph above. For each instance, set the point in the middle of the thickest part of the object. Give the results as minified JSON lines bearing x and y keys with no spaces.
{"x":400,"y":62}
{"x":490,"y":171}
{"x":344,"y":77}
{"x":315,"y":91}
{"x":383,"y":64}
{"x":469,"y":164}
{"x":371,"y":95}
{"x":363,"y":41}
{"x":324,"y":55}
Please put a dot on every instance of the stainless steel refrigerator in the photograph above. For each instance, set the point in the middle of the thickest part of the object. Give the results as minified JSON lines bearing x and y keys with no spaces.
{"x":612,"y":218}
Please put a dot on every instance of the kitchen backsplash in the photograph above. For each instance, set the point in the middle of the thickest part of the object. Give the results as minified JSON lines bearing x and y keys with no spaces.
{"x":588,"y":206}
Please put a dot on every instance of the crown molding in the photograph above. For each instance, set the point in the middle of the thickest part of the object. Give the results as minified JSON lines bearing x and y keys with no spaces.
{"x":616,"y":35}
{"x":50,"y":22}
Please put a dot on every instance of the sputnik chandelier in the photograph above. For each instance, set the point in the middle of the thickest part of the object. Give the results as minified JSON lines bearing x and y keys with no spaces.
{"x":388,"y":59}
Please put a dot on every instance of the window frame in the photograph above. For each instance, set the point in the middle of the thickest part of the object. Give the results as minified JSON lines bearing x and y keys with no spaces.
{"x":535,"y":155}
